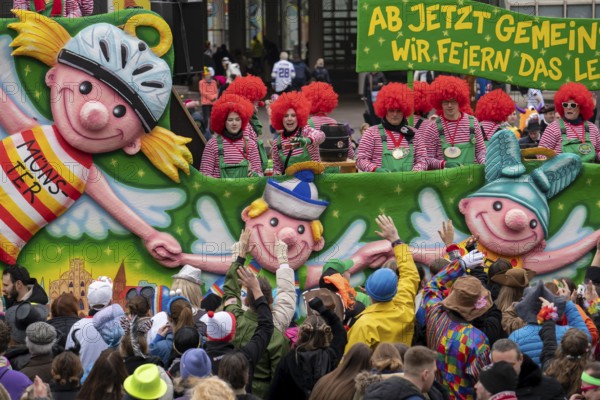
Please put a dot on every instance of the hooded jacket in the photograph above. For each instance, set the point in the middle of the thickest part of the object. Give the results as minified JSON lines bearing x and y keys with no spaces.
{"x":533,"y":385}
{"x":393,"y":389}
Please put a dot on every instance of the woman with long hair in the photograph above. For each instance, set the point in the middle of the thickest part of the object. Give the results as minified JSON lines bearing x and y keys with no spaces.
{"x":386,"y":362}
{"x":318,"y":350}
{"x":105,"y":381}
{"x":339,"y":383}
{"x":65,"y":312}
{"x":570,"y":360}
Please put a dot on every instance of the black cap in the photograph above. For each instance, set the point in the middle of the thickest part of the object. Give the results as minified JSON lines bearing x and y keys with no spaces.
{"x":533,"y":126}
{"x":499,"y":377}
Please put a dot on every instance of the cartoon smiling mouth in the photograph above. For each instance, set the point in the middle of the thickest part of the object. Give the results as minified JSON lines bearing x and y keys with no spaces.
{"x":483,"y":216}
{"x":72,"y":125}
{"x":272,"y":256}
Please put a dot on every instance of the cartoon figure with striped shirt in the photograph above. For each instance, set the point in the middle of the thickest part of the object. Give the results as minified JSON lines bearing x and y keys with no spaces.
{"x":107,"y":91}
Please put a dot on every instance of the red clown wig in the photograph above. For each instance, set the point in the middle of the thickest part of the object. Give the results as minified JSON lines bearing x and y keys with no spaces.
{"x":422,"y":104}
{"x":323,"y":99}
{"x":226,"y":104}
{"x":577,"y":93}
{"x":293,"y":100}
{"x":394,"y":96}
{"x":251,"y":87}
{"x":494,"y":106}
{"x":444,"y":88}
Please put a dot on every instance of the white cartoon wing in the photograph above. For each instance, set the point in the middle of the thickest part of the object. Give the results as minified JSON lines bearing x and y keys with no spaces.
{"x":428,"y":221}
{"x":11,"y":86}
{"x":571,"y":232}
{"x":210,"y":229}
{"x":87,"y":217}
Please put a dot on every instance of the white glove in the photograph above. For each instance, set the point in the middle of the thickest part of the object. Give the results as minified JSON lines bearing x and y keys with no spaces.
{"x":235,"y":251}
{"x":473,"y":259}
{"x":281,"y":251}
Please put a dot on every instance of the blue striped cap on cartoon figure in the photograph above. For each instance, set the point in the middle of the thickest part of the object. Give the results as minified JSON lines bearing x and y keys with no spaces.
{"x":124,"y":63}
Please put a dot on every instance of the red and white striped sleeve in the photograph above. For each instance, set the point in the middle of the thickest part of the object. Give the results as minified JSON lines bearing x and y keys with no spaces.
{"x":320,"y":120}
{"x":250,"y":133}
{"x":254,"y":158}
{"x":315,"y":135}
{"x":595,"y":138}
{"x":489,"y":127}
{"x":552,"y":138}
{"x":209,"y":165}
{"x":277,"y":163}
{"x":21,"y":5}
{"x":431,"y":138}
{"x":420,"y":148}
{"x":368,"y":158}
{"x":479,"y":144}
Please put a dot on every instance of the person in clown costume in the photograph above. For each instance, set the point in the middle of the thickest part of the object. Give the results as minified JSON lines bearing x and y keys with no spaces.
{"x":57,"y":8}
{"x":422,"y":105}
{"x":103,"y":99}
{"x":492,"y":111}
{"x":455,"y":138}
{"x":254,"y":90}
{"x":296,"y":141}
{"x":230,"y":153}
{"x":572,"y":133}
{"x":391,"y":146}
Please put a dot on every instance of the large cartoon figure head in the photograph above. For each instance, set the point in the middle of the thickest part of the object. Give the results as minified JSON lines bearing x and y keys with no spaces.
{"x":288,"y":211}
{"x":510,"y":215}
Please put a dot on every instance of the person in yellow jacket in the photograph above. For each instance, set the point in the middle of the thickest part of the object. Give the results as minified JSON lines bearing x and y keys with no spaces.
{"x":391,"y":316}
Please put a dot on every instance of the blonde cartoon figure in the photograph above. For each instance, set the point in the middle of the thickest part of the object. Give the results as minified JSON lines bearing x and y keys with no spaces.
{"x":107,"y":91}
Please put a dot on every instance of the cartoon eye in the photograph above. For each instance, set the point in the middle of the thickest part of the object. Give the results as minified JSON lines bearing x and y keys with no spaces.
{"x":119,"y":111}
{"x":497,"y":205}
{"x":301,"y":229}
{"x":533,"y":224}
{"x":274,"y":222}
{"x":85,"y":87}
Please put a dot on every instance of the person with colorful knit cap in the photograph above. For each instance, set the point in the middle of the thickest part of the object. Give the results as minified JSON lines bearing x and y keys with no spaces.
{"x":391,"y":317}
{"x":455,"y":138}
{"x":391,"y":146}
{"x":463,"y":350}
{"x":492,"y":111}
{"x":221,"y":326}
{"x":296,"y":141}
{"x":254,"y":90}
{"x":230,"y":153}
{"x":572,"y":133}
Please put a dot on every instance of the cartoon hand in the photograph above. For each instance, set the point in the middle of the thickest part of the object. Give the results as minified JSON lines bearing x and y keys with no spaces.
{"x":164,"y":248}
{"x":371,"y":255}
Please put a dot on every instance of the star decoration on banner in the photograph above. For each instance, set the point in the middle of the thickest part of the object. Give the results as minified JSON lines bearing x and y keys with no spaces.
{"x":472,"y":71}
{"x":470,"y":180}
{"x":516,"y":53}
{"x":496,"y":10}
{"x":27,"y":70}
{"x":434,"y":57}
{"x":536,"y":19}
{"x":360,"y":197}
{"x":487,"y":38}
{"x":400,"y":34}
{"x":568,"y":79}
{"x":598,"y":54}
{"x":398,"y":189}
{"x":451,"y":199}
{"x":594,"y":84}
{"x":568,"y":56}
{"x":37,"y":94}
{"x":114,"y":162}
{"x":543,"y":85}
{"x":179,"y":230}
{"x":561,"y":206}
{"x":598,"y":204}
{"x":365,"y":6}
{"x":250,"y":187}
{"x":376,"y":66}
{"x":227,"y":194}
{"x":334,"y":187}
{"x":381,"y":210}
{"x":108,"y":251}
{"x":196,"y":185}
{"x":543,"y":51}
{"x":509,"y":78}
{"x":366,"y":50}
{"x":336,"y":213}
{"x":461,"y":2}
{"x":445,"y":33}
{"x":589,"y":181}
{"x":381,"y":41}
{"x":446,"y":183}
{"x":141,"y":173}
{"x":410,"y":65}
{"x":37,"y":258}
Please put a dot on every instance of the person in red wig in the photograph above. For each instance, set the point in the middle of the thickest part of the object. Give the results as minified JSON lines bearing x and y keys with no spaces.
{"x":492,"y":111}
{"x":323,"y":100}
{"x":230,"y":153}
{"x":296,"y":141}
{"x":254,"y":90}
{"x":388,"y":146}
{"x":573,"y":133}
{"x":455,"y":137}
{"x":422,"y":104}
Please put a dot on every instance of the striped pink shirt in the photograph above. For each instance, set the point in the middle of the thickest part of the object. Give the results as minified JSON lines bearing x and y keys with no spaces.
{"x":234,"y":153}
{"x":552,"y":137}
{"x":430,"y":162}
{"x":71,"y":8}
{"x":319,"y":120}
{"x":368,"y":158}
{"x":317,"y":137}
{"x":431,"y":136}
{"x":490,"y":128}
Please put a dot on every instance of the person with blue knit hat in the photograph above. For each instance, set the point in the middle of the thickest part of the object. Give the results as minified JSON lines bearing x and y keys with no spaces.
{"x":510,"y":215}
{"x":391,"y":316}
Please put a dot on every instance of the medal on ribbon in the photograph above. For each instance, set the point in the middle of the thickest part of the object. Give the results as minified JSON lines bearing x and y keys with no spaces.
{"x":452,"y":152}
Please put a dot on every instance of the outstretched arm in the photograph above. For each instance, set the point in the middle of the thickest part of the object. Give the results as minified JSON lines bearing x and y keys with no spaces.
{"x":12,"y":119}
{"x":162,"y":246}
{"x":547,"y":261}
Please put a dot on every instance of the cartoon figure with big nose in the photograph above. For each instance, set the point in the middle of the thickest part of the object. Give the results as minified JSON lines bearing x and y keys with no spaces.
{"x":107,"y":89}
{"x":510,"y":214}
{"x":289,"y":211}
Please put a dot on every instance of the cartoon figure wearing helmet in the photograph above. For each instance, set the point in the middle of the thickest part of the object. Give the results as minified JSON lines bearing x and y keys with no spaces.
{"x":289,"y":211}
{"x":510,"y":214}
{"x":108,"y":89}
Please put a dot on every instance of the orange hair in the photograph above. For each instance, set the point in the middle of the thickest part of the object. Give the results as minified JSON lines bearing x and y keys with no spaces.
{"x":494,"y":106}
{"x":579,"y":94}
{"x":250,"y":87}
{"x":322,"y":97}
{"x":394,"y":96}
{"x":293,"y":100}
{"x":422,"y":104}
{"x":449,"y":87}
{"x":226,"y":104}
